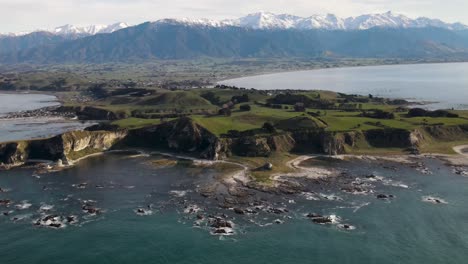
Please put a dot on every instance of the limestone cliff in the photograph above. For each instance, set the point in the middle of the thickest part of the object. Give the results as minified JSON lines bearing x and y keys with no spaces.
{"x":260,"y":146}
{"x":67,"y":147}
{"x":12,"y":154}
{"x":181,"y":135}
{"x":186,"y":136}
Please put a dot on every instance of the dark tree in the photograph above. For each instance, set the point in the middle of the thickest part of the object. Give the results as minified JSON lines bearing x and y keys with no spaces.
{"x":245,"y":108}
{"x":269,"y":127}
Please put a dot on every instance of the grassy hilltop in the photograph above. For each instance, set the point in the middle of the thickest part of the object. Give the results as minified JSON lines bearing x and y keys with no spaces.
{"x":150,"y":94}
{"x":230,"y":111}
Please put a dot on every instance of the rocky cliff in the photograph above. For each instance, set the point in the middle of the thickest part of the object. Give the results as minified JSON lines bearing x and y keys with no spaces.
{"x":65,"y":148}
{"x":12,"y":154}
{"x":186,"y":136}
{"x":181,"y":135}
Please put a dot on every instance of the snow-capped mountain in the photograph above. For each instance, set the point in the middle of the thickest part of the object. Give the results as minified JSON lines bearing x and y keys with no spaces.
{"x":265,"y":20}
{"x":72,"y":30}
{"x":88,"y":30}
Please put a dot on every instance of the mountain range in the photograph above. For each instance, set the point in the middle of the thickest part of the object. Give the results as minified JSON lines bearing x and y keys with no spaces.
{"x":255,"y":35}
{"x":74,"y":31}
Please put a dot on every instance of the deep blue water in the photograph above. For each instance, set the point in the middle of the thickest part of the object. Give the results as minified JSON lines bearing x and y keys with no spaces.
{"x":445,"y":83}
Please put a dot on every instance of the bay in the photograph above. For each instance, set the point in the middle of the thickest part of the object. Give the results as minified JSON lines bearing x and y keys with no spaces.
{"x":444,"y":83}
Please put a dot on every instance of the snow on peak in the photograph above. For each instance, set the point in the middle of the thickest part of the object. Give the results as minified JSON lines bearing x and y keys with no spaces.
{"x":73,"y":30}
{"x":266,"y":20}
{"x":87,"y":30}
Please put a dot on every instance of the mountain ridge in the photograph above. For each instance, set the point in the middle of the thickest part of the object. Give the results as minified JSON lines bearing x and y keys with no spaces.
{"x":267,"y":20}
{"x":166,"y":42}
{"x":261,"y":36}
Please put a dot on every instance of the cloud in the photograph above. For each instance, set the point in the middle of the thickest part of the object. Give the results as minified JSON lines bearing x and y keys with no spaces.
{"x":18,"y":15}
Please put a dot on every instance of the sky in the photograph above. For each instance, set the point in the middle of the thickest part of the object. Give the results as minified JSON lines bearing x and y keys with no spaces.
{"x":27,"y":15}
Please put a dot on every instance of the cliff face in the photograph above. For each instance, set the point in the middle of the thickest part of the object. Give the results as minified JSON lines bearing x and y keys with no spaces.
{"x":262,"y":146}
{"x":185,"y":136}
{"x":67,"y":147}
{"x":447,"y":133}
{"x":182,"y":135}
{"x":74,"y":145}
{"x":12,"y":154}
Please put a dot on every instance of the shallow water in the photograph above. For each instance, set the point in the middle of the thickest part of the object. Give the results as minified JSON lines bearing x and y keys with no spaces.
{"x":445,"y":83}
{"x":31,"y":128}
{"x":400,"y":230}
{"x":24,"y":102}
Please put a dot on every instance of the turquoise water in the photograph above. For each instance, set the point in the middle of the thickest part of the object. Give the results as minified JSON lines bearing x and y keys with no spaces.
{"x":445,"y":83}
{"x":402,"y":230}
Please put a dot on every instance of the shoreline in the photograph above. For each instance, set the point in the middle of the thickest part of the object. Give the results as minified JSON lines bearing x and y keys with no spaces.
{"x":339,"y":67}
{"x":462,"y":150}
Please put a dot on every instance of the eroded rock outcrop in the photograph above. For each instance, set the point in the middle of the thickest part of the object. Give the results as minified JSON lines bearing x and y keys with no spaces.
{"x":67,"y":147}
{"x":12,"y":154}
{"x":181,"y":135}
{"x":262,"y":146}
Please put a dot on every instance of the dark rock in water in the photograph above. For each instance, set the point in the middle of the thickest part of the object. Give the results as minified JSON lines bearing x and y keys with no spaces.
{"x":81,"y":185}
{"x":50,"y":217}
{"x":277,"y":210}
{"x":384,"y":196}
{"x":5,"y":202}
{"x":314,"y":215}
{"x":7,"y":213}
{"x":355,"y":190}
{"x":200,"y":217}
{"x":54,"y":221}
{"x":91,"y":210}
{"x":346,"y":227}
{"x":219,"y":222}
{"x":278,"y":221}
{"x":322,"y":220}
{"x":371,"y":176}
{"x":72,"y":219}
{"x":143,"y":211}
{"x":239,"y":211}
{"x":221,"y":226}
{"x":250,"y":211}
{"x":220,"y":231}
